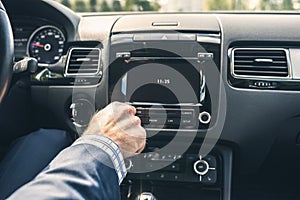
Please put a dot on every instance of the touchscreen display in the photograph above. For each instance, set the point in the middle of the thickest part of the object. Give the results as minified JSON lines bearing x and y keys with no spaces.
{"x":178,"y":81}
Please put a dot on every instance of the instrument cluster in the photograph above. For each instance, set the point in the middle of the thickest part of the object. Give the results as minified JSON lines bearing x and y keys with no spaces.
{"x":38,"y":39}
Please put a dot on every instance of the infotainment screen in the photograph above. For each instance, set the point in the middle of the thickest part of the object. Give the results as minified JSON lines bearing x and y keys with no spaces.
{"x":168,"y":81}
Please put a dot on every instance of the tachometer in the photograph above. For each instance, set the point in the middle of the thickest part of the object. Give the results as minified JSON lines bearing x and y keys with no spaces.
{"x":46,"y":45}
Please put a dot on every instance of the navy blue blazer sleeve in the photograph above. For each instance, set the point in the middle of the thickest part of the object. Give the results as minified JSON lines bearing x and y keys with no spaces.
{"x":82,"y":171}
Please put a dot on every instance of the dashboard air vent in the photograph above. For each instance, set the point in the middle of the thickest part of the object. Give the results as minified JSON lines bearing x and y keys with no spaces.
{"x":83,"y":62}
{"x":260,"y":63}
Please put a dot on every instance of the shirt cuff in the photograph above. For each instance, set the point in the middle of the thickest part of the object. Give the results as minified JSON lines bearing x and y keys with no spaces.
{"x":110,"y":148}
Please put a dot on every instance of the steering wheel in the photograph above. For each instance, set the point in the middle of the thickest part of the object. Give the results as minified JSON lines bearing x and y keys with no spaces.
{"x":6,"y":52}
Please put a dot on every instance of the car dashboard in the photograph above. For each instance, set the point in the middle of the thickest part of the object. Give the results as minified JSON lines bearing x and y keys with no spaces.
{"x":218,"y":93}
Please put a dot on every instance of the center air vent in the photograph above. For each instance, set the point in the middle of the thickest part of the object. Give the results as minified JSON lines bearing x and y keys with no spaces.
{"x":260,"y":63}
{"x":83,"y":62}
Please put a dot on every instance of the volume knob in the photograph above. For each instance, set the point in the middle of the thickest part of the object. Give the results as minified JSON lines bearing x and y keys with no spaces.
{"x":201,"y":167}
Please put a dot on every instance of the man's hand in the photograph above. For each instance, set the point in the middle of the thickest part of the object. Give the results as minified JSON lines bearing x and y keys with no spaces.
{"x":118,"y":122}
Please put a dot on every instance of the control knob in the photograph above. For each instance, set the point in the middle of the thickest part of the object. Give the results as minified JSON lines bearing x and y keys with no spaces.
{"x":201,"y":167}
{"x":206,"y":169}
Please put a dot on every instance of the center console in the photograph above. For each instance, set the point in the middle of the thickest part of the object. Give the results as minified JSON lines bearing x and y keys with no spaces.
{"x":167,"y":77}
{"x":163,"y":76}
{"x":189,"y":176}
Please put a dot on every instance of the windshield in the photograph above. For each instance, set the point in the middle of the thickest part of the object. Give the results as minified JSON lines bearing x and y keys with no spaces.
{"x":180,"y":5}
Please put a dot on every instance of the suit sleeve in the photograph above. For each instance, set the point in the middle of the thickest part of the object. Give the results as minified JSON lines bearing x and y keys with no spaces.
{"x":92,"y":168}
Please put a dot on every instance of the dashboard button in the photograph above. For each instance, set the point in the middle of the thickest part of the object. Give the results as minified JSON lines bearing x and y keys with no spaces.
{"x":141,"y":37}
{"x":187,"y":37}
{"x":187,"y":122}
{"x":211,"y":161}
{"x":187,"y":113}
{"x":149,"y":176}
{"x":155,"y":36}
{"x":175,"y":167}
{"x":210,"y":177}
{"x":173,"y":121}
{"x":162,"y":176}
{"x":175,"y":177}
{"x":156,"y":121}
{"x":163,"y":36}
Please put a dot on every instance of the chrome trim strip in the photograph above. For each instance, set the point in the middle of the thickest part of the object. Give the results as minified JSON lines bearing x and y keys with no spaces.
{"x":231,"y":52}
{"x":132,"y":59}
{"x":176,"y":130}
{"x":262,"y":60}
{"x":209,"y":38}
{"x":295,"y":61}
{"x":161,"y":104}
{"x":66,"y":74}
{"x":165,"y":23}
{"x":124,"y":85}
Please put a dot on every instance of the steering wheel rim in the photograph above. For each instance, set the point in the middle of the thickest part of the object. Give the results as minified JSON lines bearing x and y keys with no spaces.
{"x":6,"y":52}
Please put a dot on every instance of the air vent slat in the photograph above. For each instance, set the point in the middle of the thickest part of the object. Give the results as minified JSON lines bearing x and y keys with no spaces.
{"x":261,"y":53}
{"x":247,"y":57}
{"x":91,"y":55}
{"x":283,"y":68}
{"x":236,"y":62}
{"x":81,"y":70}
{"x":93,"y":67}
{"x":83,"y":61}
{"x":259,"y":63}
{"x":261,"y":73}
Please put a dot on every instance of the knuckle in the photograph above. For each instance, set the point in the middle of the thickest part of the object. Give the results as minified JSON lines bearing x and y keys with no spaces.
{"x":132,"y":109}
{"x":137,"y":120}
{"x":115,"y":102}
{"x":114,"y":105}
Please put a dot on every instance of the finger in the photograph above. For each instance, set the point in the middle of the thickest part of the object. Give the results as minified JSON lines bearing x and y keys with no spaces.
{"x":128,"y":120}
{"x":132,"y":127}
{"x":142,"y":147}
{"x":121,"y":110}
{"x":137,"y":120}
{"x":117,"y":110}
{"x":132,"y":109}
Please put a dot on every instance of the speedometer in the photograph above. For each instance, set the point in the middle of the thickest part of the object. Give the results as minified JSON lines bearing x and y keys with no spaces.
{"x":46,"y":45}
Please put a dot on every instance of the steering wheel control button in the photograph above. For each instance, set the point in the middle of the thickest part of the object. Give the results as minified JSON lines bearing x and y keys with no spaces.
{"x":204,"y":117}
{"x":201,"y":167}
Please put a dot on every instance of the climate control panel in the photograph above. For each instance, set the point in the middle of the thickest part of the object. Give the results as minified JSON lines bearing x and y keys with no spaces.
{"x":178,"y":168}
